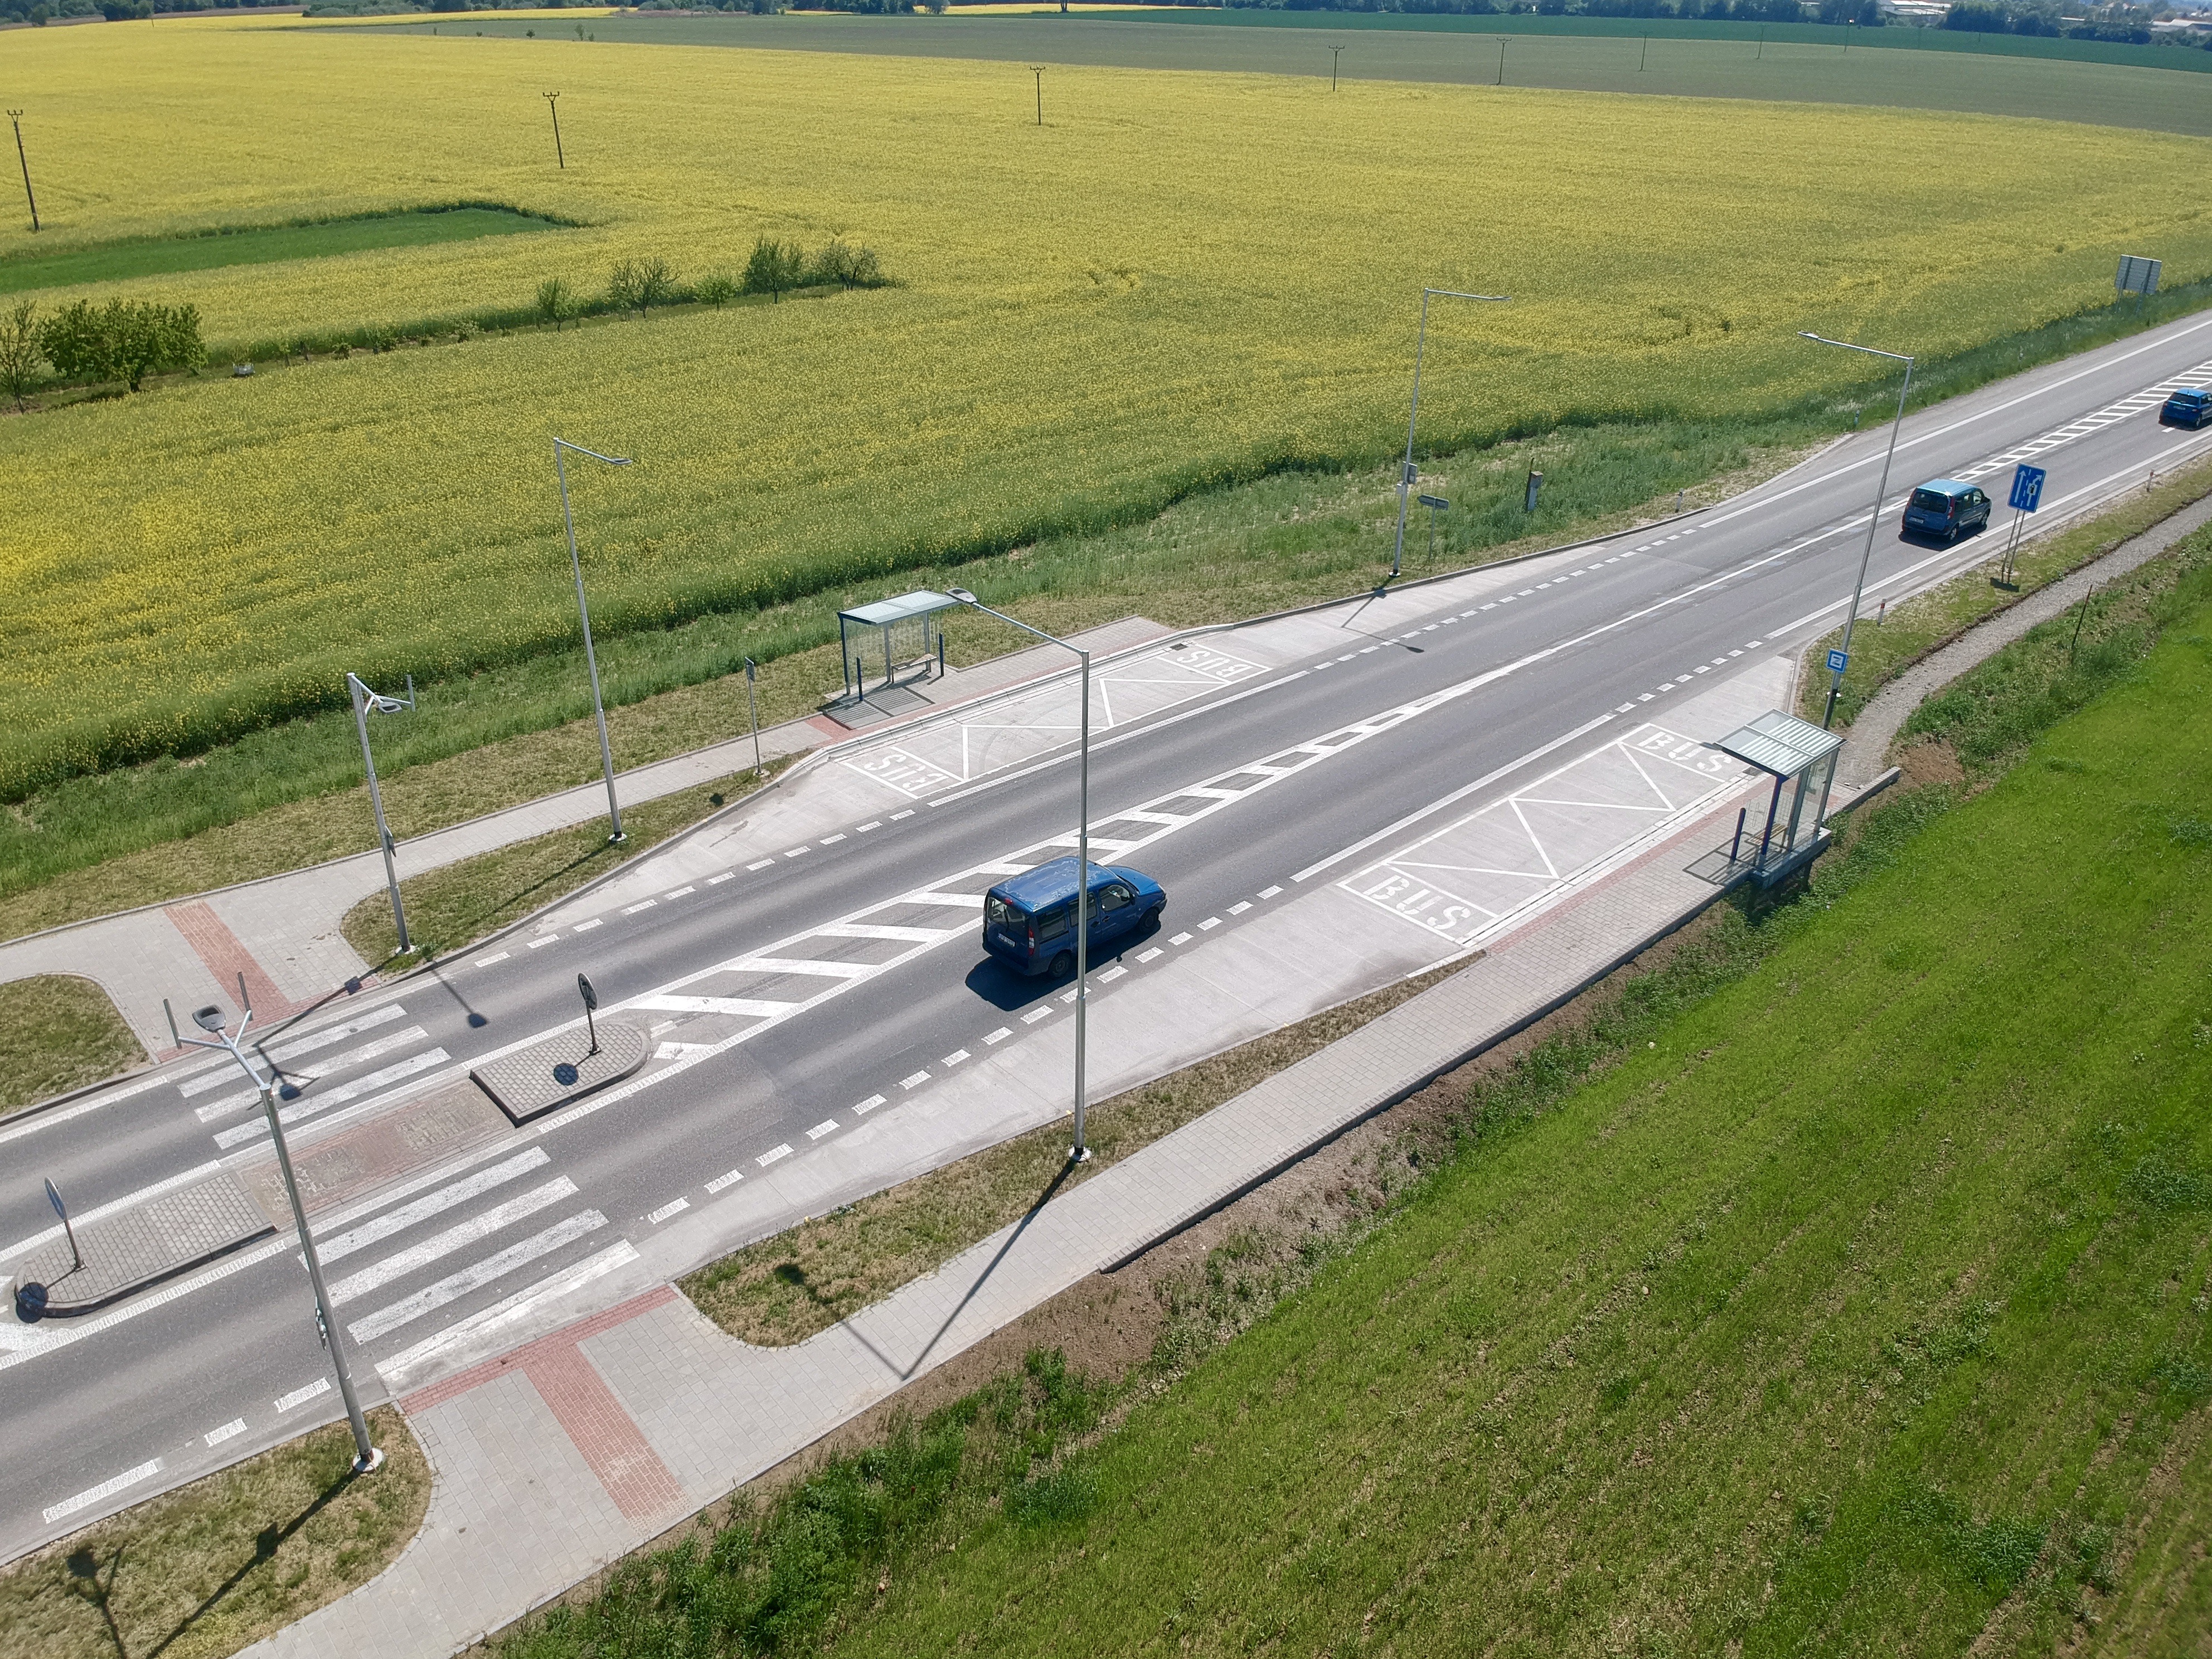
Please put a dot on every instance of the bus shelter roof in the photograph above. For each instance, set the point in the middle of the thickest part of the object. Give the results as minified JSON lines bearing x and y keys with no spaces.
{"x":884,"y":612}
{"x":1780,"y":743}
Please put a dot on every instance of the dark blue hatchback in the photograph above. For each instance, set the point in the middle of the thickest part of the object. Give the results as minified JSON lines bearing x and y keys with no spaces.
{"x":2192,"y":406}
{"x":1029,"y":920}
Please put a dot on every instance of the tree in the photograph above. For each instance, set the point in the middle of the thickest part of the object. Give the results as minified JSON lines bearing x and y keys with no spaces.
{"x":556,"y":301}
{"x":122,"y":340}
{"x":20,"y":357}
{"x":76,"y":343}
{"x":625,"y":283}
{"x":855,"y":267}
{"x":656,"y":285}
{"x":775,"y":268}
{"x":716,"y":288}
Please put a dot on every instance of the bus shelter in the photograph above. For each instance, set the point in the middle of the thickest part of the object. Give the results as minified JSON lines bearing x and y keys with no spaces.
{"x":894,"y":641}
{"x":1801,"y":757}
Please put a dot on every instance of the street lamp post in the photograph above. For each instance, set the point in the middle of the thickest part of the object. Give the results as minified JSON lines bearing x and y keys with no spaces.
{"x":584,"y":611}
{"x":1874,"y":523}
{"x":209,"y":1019}
{"x":1081,"y":1150}
{"x":1406,"y":473}
{"x":364,"y":701}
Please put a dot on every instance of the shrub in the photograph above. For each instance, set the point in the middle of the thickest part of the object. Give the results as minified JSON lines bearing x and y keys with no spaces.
{"x":556,"y":301}
{"x":20,"y":357}
{"x":656,"y":285}
{"x":625,"y":283}
{"x":122,"y":340}
{"x":775,"y":268}
{"x":716,"y":288}
{"x":855,"y":267}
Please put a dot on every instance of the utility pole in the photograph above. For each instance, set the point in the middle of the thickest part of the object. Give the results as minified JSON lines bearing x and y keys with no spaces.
{"x":584,"y":611}
{"x":1037,"y":69}
{"x":1503,"y":41}
{"x":16,"y":118}
{"x":552,"y":104}
{"x":1336,"y":56}
{"x":1406,"y":473}
{"x":752,"y":709}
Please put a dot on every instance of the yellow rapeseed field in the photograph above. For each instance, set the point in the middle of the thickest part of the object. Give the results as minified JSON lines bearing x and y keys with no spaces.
{"x":1176,"y":279}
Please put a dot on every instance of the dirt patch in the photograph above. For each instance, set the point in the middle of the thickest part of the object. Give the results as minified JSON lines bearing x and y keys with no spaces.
{"x":1930,"y":760}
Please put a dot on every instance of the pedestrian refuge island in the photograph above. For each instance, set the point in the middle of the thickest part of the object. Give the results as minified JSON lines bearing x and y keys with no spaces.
{"x":899,"y":643}
{"x":1801,"y":757}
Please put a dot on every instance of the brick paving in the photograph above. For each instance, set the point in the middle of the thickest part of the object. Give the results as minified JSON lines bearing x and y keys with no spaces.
{"x":228,"y":958}
{"x":532,"y":1080}
{"x":144,"y":1244}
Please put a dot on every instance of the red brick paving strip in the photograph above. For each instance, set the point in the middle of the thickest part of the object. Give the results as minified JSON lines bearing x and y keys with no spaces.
{"x":583,"y":1405}
{"x":227,"y":957}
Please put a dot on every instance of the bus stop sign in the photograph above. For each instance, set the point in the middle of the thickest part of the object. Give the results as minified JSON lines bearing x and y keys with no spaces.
{"x":2026,"y":489}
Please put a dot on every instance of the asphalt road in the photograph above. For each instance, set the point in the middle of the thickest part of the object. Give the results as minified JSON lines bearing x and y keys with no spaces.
{"x":1588,"y":632}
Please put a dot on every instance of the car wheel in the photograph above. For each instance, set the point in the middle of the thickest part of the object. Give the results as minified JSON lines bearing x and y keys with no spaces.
{"x":1062,"y":965}
{"x":1152,"y":917}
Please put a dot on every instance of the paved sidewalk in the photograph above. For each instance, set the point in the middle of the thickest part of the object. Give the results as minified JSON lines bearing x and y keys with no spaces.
{"x":1867,"y":744}
{"x":282,"y":931}
{"x":561,"y":1456}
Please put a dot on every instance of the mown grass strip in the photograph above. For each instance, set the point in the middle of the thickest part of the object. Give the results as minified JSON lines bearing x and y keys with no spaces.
{"x":784,"y":1289}
{"x":214,"y":1566}
{"x":450,"y":908}
{"x":62,"y":1033}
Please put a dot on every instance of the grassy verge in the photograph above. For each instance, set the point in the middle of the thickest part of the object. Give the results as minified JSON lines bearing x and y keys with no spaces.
{"x":215,"y":1566}
{"x":448,"y":909}
{"x":1839,"y":1286}
{"x":291,"y":794}
{"x":62,"y":1033}
{"x":1880,"y":650}
{"x":783,"y":1290}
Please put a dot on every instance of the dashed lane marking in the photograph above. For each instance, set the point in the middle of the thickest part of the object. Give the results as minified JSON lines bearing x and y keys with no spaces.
{"x":107,"y":1488}
{"x":667,"y":1210}
{"x":1035,"y":1015}
{"x":721,"y":1183}
{"x":827,"y":1126}
{"x":868,"y":1105}
{"x":915,"y":1080}
{"x":231,"y":1429}
{"x":301,"y":1397}
{"x":773,"y":1154}
{"x":497,"y":956}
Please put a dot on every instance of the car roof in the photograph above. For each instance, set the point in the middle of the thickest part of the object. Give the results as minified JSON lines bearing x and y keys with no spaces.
{"x":1945,"y":486}
{"x":1052,"y":881}
{"x":2195,"y":392}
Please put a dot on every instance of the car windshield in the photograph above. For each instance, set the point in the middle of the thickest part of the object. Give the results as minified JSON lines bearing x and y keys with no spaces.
{"x":2189,"y":396}
{"x":1931,"y":501}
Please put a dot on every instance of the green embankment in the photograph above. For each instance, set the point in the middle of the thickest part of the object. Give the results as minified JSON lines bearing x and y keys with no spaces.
{"x":165,"y":256}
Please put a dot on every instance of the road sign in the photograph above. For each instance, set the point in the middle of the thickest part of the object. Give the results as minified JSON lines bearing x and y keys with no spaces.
{"x":584,"y":990}
{"x":2137,"y":275}
{"x":54,"y":1198}
{"x":1437,"y":501}
{"x":1836,"y":661}
{"x":2026,"y":489}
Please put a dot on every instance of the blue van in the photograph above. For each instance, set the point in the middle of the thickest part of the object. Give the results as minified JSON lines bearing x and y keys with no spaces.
{"x":2190,"y":406}
{"x":1029,"y":920}
{"x":1947,"y":508}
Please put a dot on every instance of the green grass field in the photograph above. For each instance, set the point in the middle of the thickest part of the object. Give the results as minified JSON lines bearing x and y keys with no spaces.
{"x":1865,"y":1311}
{"x":2153,"y":87}
{"x":163,"y":256}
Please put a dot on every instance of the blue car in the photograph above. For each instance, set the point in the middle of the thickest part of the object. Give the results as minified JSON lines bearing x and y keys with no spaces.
{"x":1947,"y":509}
{"x":2191,"y":407}
{"x":1029,"y":920}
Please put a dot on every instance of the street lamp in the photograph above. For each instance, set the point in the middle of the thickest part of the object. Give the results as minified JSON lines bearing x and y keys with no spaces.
{"x":1836,"y":686}
{"x":364,"y":701}
{"x":209,"y":1019}
{"x":1406,"y":475}
{"x":1080,"y":1153}
{"x":591,"y":662}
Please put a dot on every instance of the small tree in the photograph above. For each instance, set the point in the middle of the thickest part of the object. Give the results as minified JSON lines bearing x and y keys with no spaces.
{"x":855,"y":267}
{"x":122,"y":340}
{"x":656,"y":285}
{"x":716,"y":288}
{"x":774,"y":269}
{"x":556,"y":301}
{"x":76,"y":342}
{"x":20,"y":359}
{"x":625,"y":283}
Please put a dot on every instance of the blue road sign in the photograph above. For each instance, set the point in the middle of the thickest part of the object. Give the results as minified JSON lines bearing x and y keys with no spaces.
{"x":1836,"y":660}
{"x":2026,"y":489}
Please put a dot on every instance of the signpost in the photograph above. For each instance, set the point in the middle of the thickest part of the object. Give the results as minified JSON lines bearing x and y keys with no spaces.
{"x":752,"y":707}
{"x":591,"y":1005}
{"x":54,"y":1198}
{"x":2137,"y":275}
{"x":2026,"y":497}
{"x":1436,"y":504}
{"x":1535,"y":483}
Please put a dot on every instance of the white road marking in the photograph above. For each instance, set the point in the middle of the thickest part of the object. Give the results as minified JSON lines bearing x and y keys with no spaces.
{"x":760,"y":864}
{"x":772,"y":1154}
{"x":749,"y":1007}
{"x":642,"y":904}
{"x":1211,"y":922}
{"x":955,"y":1057}
{"x":498,"y":955}
{"x":999,"y":1035}
{"x":1240,"y":908}
{"x":831,"y":841}
{"x":874,"y":824}
{"x":1146,"y":956}
{"x":667,"y":1210}
{"x":229,"y":1431}
{"x":913,"y":1081}
{"x":868,"y":1105}
{"x":678,"y":1050}
{"x":1180,"y":939}
{"x":827,"y":1126}
{"x":678,"y":892}
{"x":727,"y":875}
{"x":322,"y":1039}
{"x":794,"y":851}
{"x":376,"y":1050}
{"x":549,"y":939}
{"x":474,"y":1231}
{"x":301,"y":1397}
{"x":460,"y":1192}
{"x":587,"y":927}
{"x":512,"y":1309}
{"x":909,"y":814}
{"x":964,"y":900}
{"x":238,"y":1133}
{"x":1269,"y":892}
{"x":1029,"y":1019}
{"x":107,"y":1488}
{"x":470,"y":1279}
{"x":1114,"y":972}
{"x":722,"y":1182}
